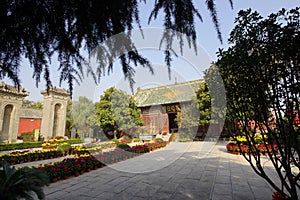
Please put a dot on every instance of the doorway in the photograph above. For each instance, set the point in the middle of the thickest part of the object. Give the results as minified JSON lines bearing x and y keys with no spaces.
{"x":57,"y":119}
{"x":7,"y":122}
{"x":173,"y":125}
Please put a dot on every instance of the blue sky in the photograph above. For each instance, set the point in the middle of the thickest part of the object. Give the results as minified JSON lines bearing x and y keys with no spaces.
{"x":207,"y":39}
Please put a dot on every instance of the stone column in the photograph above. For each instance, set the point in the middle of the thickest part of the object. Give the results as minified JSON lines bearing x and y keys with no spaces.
{"x":54,"y":112}
{"x":11,"y":100}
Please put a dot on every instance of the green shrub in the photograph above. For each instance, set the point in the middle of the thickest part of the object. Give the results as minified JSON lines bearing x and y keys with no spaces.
{"x":158,"y":139}
{"x":28,"y":137}
{"x":173,"y":137}
{"x":123,"y":146}
{"x":185,"y":139}
{"x":64,"y":147}
{"x":75,"y":141}
{"x":116,"y":141}
{"x":24,"y":145}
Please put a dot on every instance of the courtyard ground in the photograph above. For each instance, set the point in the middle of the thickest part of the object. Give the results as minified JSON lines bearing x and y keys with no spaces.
{"x":194,"y":170}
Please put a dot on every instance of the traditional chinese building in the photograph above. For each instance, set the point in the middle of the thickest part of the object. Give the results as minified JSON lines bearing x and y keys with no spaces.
{"x":161,"y":105}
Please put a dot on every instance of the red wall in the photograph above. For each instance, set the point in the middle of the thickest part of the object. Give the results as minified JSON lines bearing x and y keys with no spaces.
{"x":27,"y":125}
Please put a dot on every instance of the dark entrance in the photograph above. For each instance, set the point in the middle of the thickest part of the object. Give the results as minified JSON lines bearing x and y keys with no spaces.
{"x":173,"y":125}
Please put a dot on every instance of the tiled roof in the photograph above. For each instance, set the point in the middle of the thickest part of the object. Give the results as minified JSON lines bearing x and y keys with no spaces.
{"x":179,"y":92}
{"x":9,"y":89}
{"x":55,"y":90}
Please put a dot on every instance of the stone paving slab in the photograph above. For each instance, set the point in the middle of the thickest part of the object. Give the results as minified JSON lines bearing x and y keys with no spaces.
{"x":179,"y":171}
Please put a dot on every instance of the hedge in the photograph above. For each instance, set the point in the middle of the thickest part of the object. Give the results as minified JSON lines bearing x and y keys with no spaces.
{"x":23,"y":145}
{"x":29,"y":145}
{"x":75,"y":141}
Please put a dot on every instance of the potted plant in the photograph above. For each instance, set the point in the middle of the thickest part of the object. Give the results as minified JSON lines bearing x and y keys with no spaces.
{"x":21,"y":183}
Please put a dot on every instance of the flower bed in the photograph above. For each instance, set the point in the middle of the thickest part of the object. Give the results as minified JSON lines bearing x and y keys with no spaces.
{"x":84,"y":163}
{"x":19,"y":157}
{"x":71,"y":167}
{"x":85,"y":158}
{"x":60,"y":148}
{"x":148,"y":147}
{"x":259,"y":144}
{"x":261,"y":148}
{"x":54,"y":142}
{"x":124,"y":140}
{"x":139,"y":148}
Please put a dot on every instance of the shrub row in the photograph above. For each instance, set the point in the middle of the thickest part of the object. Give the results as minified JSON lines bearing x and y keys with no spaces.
{"x":24,"y":145}
{"x":29,"y":145}
{"x":75,"y":141}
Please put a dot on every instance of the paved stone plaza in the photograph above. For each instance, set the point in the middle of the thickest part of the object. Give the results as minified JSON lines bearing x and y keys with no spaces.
{"x":180,"y":171}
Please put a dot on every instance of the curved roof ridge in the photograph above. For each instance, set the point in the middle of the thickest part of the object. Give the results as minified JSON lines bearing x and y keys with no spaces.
{"x":167,"y":94}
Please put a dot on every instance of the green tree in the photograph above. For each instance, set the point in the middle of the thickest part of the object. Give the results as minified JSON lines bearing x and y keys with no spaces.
{"x":195,"y":114}
{"x":104,"y":112}
{"x":32,"y":104}
{"x":116,"y":111}
{"x":83,"y":111}
{"x":204,"y":104}
{"x":203,"y":99}
{"x":36,"y":30}
{"x":69,"y":119}
{"x":214,"y":101}
{"x":261,"y":72}
{"x":188,"y":120}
